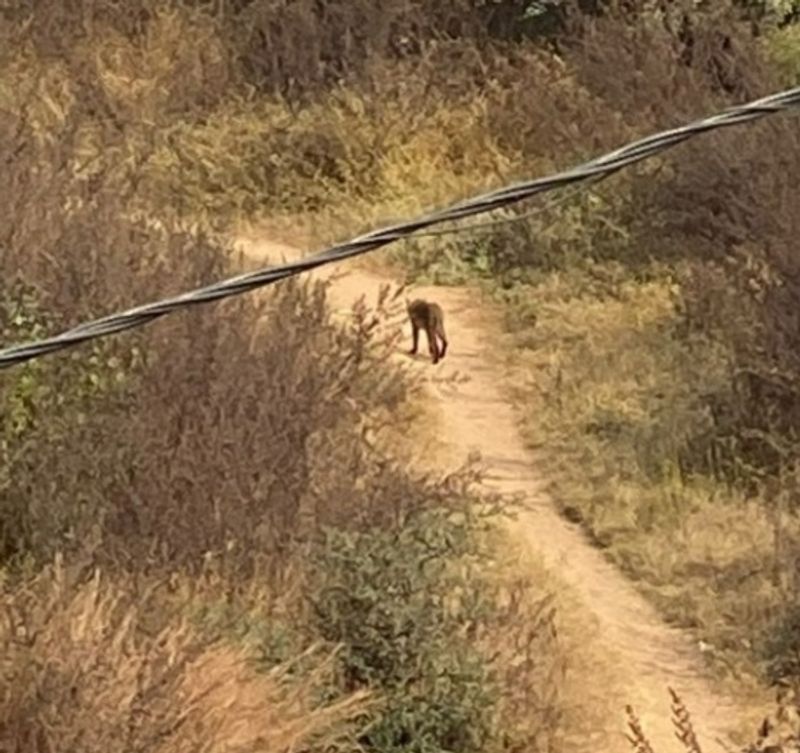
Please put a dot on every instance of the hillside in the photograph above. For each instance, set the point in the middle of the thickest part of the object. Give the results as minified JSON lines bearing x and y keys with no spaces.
{"x":259,"y":525}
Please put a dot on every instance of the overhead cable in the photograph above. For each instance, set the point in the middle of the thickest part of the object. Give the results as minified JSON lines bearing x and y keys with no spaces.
{"x":593,"y":170}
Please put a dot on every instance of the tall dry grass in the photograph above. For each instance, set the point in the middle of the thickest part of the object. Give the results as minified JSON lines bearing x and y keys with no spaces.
{"x":211,"y":431}
{"x":82,"y":671}
{"x":779,"y":732}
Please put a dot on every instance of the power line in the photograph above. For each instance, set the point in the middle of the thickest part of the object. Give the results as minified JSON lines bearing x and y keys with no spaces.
{"x":594,"y":170}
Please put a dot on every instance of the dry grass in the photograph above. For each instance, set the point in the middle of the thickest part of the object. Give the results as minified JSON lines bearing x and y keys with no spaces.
{"x":611,"y":396}
{"x":664,"y":384}
{"x":779,"y":732}
{"x":250,"y":401}
{"x":83,"y":671}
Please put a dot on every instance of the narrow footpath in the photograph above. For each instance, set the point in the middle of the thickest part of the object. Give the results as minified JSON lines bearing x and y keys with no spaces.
{"x":639,"y":656}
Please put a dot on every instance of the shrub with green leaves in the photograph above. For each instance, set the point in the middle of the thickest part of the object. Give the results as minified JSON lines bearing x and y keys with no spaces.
{"x":404,"y":607}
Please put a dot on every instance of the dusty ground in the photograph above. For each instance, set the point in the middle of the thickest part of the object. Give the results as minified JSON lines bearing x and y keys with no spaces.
{"x":635,"y":657}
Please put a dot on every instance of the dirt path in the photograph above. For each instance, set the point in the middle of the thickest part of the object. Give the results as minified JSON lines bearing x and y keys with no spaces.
{"x":638,"y":656}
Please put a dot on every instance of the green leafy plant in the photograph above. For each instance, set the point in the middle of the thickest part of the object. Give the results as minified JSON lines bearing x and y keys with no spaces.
{"x":402,"y":605}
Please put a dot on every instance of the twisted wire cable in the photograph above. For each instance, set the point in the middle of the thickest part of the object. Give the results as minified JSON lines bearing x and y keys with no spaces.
{"x":593,"y":170}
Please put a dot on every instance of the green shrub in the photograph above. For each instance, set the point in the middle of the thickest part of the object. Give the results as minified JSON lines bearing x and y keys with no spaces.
{"x":428,"y":619}
{"x":783,"y":49}
{"x":401,"y":602}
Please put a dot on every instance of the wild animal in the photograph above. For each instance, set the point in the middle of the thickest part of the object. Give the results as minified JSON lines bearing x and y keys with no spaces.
{"x":430,"y":317}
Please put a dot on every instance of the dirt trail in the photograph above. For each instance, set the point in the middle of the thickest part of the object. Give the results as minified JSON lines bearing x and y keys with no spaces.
{"x":640,"y":656}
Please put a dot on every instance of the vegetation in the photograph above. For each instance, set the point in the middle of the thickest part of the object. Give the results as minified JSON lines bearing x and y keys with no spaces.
{"x":202,"y":545}
{"x":666,"y":367}
{"x":179,"y":520}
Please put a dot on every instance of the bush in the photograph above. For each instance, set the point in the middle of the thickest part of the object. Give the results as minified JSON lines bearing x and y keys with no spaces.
{"x":392,"y":598}
{"x":223,"y":446}
{"x":340,"y":40}
{"x":727,"y":204}
{"x":782,"y":48}
{"x":718,"y":210}
{"x":422,"y":623}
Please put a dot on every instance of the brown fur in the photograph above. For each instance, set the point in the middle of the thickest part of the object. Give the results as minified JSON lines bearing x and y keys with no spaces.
{"x":428,"y":316}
